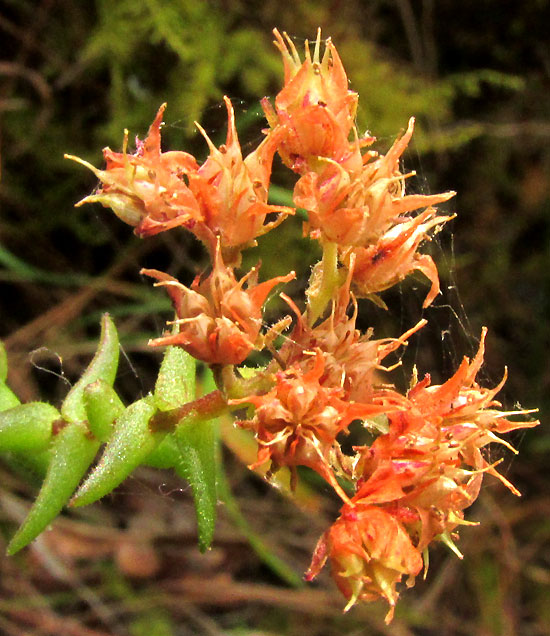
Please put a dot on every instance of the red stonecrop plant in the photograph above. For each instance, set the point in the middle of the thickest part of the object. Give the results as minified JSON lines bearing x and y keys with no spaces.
{"x":408,"y":488}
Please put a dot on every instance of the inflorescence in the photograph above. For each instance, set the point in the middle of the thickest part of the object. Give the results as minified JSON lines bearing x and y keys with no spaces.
{"x":410,"y":486}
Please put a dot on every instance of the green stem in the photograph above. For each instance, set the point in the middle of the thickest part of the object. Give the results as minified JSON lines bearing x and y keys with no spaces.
{"x":323,"y":282}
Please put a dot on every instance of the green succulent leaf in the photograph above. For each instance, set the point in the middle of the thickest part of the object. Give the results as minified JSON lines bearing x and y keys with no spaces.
{"x":131,"y":442}
{"x":3,"y":363}
{"x":165,"y":455}
{"x":27,"y":427}
{"x":103,"y":407}
{"x":197,"y":442}
{"x":191,"y":449}
{"x":72,"y":452}
{"x":8,"y":399}
{"x":102,"y":367}
{"x":176,"y":380}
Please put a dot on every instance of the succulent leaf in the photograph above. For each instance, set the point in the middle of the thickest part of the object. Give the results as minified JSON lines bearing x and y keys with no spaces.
{"x":131,"y":442}
{"x":102,"y":367}
{"x":3,"y":363}
{"x":103,"y":407}
{"x":165,"y":455}
{"x":8,"y":399}
{"x":72,"y":452}
{"x":176,"y":379}
{"x":27,"y":427}
{"x":197,"y":464}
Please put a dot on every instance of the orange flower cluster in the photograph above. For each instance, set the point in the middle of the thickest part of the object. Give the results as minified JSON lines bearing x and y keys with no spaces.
{"x":225,"y":198}
{"x":355,"y":201}
{"x":410,"y":486}
{"x":413,"y":483}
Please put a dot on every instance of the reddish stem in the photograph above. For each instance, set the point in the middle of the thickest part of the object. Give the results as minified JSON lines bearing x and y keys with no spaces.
{"x":204,"y":408}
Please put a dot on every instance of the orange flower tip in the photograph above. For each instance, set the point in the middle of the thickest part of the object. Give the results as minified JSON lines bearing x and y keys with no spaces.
{"x":389,"y":616}
{"x":157,"y":122}
{"x":81,"y":202}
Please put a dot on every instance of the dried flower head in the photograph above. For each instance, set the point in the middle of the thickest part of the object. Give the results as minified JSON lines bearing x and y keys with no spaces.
{"x":147,"y":189}
{"x":232,"y":192}
{"x":352,"y":360}
{"x":369,"y":552}
{"x":219,"y":319}
{"x":357,"y":209}
{"x":393,"y":257}
{"x":298,"y":421}
{"x":315,"y":108}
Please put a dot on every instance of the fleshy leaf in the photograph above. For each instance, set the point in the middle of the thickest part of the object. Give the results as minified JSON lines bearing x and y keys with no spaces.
{"x":3,"y":363}
{"x":165,"y":455}
{"x":8,"y":399}
{"x":131,"y":442}
{"x":103,"y":407}
{"x":176,"y":379}
{"x":197,"y":440}
{"x":103,"y":366}
{"x":72,"y":452}
{"x":27,"y":427}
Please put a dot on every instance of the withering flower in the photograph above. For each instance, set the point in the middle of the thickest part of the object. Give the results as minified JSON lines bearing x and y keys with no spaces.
{"x":394,"y":256}
{"x":298,"y":421}
{"x":224,"y":199}
{"x":358,"y":208}
{"x":232,"y":192}
{"x":353,"y":361}
{"x":219,"y":318}
{"x":147,"y":190}
{"x":369,"y":552}
{"x":315,"y":108}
